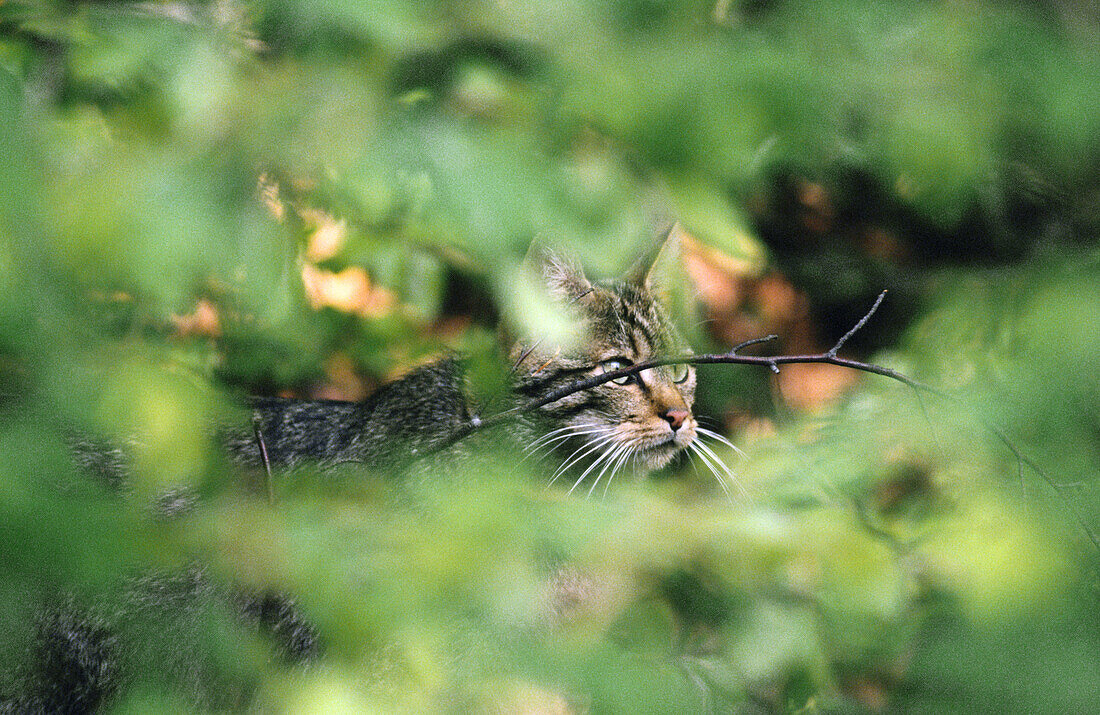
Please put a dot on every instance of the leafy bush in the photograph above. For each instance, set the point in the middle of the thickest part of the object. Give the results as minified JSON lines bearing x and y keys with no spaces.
{"x":203,"y":200}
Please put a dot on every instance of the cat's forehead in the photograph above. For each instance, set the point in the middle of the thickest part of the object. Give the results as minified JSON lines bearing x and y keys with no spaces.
{"x":630,"y":320}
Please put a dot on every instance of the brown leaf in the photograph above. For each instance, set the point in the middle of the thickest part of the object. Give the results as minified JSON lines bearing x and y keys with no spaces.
{"x":811,"y":386}
{"x":203,"y":321}
{"x":349,"y":291}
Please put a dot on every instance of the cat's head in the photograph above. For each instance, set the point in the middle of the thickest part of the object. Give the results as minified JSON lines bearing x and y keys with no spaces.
{"x":640,"y":422}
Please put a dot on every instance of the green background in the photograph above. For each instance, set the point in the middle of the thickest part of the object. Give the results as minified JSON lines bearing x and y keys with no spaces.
{"x":892,"y":553}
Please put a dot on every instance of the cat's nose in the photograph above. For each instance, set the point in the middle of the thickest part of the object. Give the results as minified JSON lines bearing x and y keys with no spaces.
{"x":675,"y":417}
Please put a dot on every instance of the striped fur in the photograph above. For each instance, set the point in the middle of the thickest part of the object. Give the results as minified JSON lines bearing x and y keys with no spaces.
{"x":79,"y":660}
{"x":642,"y":424}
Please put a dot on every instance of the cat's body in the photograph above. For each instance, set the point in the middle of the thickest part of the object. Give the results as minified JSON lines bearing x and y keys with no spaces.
{"x":404,"y":419}
{"x":639,"y":423}
{"x":644,"y":419}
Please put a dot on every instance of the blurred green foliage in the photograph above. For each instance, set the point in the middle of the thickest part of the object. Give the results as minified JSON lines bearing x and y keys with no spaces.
{"x":891,"y":555}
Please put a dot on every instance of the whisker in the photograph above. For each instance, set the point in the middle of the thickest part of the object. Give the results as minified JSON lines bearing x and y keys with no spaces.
{"x":614,"y":463}
{"x":569,"y":430}
{"x":729,"y":473}
{"x":705,"y":448}
{"x":631,"y":453}
{"x":603,"y":456}
{"x":711,"y":458}
{"x":690,"y":452}
{"x":716,"y":436}
{"x":621,"y":449}
{"x":571,"y":460}
{"x":549,"y":436}
{"x":548,"y":445}
{"x":694,"y":447}
{"x":592,"y":447}
{"x":708,"y":421}
{"x":708,"y":464}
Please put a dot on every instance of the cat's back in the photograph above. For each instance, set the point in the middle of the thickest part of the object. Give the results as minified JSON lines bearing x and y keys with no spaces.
{"x":399,"y":422}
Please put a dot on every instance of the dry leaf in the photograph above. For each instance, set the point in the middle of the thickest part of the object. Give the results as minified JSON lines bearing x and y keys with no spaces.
{"x":349,"y":291}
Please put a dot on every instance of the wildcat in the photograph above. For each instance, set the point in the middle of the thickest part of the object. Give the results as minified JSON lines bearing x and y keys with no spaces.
{"x":641,"y":422}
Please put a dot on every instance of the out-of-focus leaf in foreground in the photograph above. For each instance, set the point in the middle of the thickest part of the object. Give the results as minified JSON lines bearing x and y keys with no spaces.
{"x":296,"y":198}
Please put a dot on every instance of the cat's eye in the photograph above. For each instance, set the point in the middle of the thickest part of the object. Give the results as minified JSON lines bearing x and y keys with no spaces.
{"x":617,"y":364}
{"x":680,"y":372}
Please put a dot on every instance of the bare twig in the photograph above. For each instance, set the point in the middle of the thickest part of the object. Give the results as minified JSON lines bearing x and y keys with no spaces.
{"x":829,"y":357}
{"x":856,"y":328}
{"x":268,"y":483}
{"x":754,"y":341}
{"x":732,"y":357}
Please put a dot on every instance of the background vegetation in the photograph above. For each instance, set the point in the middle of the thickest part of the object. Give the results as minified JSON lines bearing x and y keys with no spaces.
{"x":203,"y":200}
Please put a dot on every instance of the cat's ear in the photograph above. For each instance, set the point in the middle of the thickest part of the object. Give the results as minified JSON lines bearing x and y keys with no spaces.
{"x":549,"y":289}
{"x":564,"y":279}
{"x":660,"y":263}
